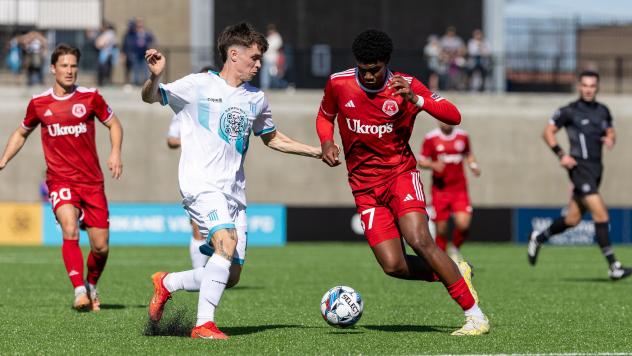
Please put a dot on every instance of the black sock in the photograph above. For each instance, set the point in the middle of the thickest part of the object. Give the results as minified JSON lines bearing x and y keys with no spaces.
{"x":558,"y":226}
{"x":601,"y":230}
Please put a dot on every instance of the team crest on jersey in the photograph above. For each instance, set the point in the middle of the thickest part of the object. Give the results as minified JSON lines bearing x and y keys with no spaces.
{"x":459,"y":145}
{"x":232,"y":127}
{"x":390,"y":107}
{"x":79,"y":110}
{"x":440,"y":147}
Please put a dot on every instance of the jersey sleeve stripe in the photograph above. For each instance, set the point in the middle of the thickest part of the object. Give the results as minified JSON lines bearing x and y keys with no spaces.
{"x":163,"y":94}
{"x":325,"y":112}
{"x":28,"y":128}
{"x":108,"y":118}
{"x":265,"y":131}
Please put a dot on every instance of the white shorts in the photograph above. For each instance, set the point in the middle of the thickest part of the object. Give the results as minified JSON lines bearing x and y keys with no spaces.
{"x":214,"y":211}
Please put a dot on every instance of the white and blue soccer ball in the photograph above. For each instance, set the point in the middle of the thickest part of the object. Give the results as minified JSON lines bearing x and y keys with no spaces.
{"x":341,"y":306}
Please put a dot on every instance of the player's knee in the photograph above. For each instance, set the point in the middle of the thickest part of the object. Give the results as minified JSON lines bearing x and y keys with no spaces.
{"x":394,"y":269}
{"x":70,"y":231}
{"x":100,"y":249}
{"x":572,"y":220}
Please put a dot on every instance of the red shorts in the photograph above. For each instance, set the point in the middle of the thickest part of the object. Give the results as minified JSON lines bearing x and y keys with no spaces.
{"x":90,"y":200}
{"x":446,"y":203}
{"x":380,"y":207}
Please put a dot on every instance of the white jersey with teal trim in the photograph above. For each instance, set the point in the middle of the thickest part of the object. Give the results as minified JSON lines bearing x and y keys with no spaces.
{"x":215,"y":124}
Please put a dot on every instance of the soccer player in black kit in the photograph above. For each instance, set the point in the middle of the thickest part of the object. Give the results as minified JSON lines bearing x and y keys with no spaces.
{"x":589,"y":126}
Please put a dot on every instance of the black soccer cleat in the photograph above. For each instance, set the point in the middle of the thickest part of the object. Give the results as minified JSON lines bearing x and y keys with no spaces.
{"x":533,"y":247}
{"x":618,"y":272}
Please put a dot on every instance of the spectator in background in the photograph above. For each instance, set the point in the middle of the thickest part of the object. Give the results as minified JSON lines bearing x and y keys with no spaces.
{"x":454,"y":49}
{"x":479,"y":60}
{"x":128,"y":48}
{"x":34,"y":44}
{"x":436,"y":67}
{"x":13,"y":57}
{"x":108,"y":53}
{"x":270,"y":65}
{"x":142,"y":41}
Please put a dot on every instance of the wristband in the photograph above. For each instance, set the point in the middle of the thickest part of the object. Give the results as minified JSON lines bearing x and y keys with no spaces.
{"x":420,"y":102}
{"x":559,"y":152}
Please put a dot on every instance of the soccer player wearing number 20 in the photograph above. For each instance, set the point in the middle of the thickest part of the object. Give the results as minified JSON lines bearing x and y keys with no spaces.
{"x":66,"y":114}
{"x":375,"y":110}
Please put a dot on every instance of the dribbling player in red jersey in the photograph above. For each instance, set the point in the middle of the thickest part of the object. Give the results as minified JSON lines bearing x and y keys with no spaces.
{"x":375,"y":110}
{"x":66,"y":113}
{"x":443,"y":151}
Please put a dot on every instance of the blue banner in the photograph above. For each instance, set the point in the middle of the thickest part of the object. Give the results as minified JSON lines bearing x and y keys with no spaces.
{"x":168,"y":224}
{"x":528,"y":219}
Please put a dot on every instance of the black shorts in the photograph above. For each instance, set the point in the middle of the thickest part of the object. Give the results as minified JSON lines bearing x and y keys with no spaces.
{"x":586,"y":177}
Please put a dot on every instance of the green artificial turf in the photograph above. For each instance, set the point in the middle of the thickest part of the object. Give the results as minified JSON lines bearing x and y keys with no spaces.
{"x":564,"y":305}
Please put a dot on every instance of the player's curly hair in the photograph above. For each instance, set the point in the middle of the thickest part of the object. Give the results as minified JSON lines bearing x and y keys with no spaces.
{"x":372,"y":46}
{"x":241,"y":34}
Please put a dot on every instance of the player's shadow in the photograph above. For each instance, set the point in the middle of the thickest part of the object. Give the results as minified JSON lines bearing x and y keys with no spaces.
{"x":121,"y":306}
{"x":410,"y":328}
{"x":253,"y":329}
{"x":587,"y":280}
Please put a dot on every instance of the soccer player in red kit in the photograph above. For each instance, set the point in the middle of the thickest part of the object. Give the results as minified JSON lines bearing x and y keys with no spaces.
{"x":443,"y":151}
{"x":66,"y":113}
{"x":375,"y":110}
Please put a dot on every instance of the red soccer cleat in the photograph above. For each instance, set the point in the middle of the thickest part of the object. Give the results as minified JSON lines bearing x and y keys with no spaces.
{"x":160,"y":297}
{"x":208,"y":331}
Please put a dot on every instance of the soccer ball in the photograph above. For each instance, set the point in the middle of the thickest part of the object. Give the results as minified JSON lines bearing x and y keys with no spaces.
{"x":341,"y":306}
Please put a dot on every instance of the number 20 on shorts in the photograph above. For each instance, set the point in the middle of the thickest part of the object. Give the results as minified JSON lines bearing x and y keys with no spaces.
{"x":56,"y":197}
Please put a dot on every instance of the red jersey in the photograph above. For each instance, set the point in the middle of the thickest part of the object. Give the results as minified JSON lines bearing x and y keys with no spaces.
{"x":375,"y":126}
{"x":451,"y":150}
{"x":68,"y":133}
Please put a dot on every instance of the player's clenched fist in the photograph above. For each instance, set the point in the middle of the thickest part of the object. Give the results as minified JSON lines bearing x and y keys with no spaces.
{"x":401,"y":87}
{"x":155,"y":61}
{"x":331,"y":151}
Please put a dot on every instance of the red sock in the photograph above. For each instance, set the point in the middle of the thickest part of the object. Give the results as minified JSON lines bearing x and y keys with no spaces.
{"x":441,"y":241}
{"x":459,"y":237}
{"x":96,"y":264}
{"x":73,"y":260}
{"x":460,"y":292}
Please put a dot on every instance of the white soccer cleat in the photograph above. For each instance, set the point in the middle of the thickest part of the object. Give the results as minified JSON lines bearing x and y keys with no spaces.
{"x":533,"y":247}
{"x":618,"y":272}
{"x":474,"y":326}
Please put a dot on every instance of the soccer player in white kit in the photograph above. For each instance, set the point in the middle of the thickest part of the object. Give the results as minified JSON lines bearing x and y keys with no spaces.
{"x":218,"y":112}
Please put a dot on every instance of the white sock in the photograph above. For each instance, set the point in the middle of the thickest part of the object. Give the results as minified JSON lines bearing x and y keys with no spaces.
{"x":80,"y":290}
{"x":474,"y":311}
{"x":197,"y":258}
{"x":187,"y":280}
{"x":92,"y":289}
{"x":214,"y":281}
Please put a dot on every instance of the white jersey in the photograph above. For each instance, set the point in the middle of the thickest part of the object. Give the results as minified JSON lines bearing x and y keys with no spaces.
{"x":174,"y":127}
{"x":215,"y":124}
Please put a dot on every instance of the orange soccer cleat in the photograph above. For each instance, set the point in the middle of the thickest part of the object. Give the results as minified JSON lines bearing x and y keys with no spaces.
{"x":160,"y":297}
{"x":208,"y":331}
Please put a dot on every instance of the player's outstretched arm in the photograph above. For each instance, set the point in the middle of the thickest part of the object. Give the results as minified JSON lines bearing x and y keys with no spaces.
{"x":276,"y":140}
{"x":15,"y":143}
{"x":156,"y":63}
{"x":116,"y":140}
